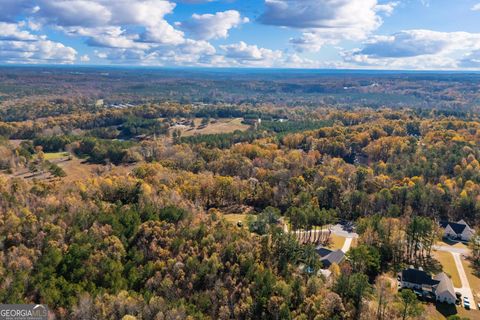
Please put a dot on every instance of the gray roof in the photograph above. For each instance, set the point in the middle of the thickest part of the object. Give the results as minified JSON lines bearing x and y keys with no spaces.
{"x":445,"y":284}
{"x":333,"y":257}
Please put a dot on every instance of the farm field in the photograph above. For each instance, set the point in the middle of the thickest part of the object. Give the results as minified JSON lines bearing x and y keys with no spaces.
{"x":221,"y":126}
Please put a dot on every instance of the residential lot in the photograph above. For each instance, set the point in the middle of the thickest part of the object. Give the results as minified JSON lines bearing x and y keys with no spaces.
{"x":449,"y":267}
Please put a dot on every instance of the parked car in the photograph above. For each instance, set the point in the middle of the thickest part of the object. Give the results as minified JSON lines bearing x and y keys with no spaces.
{"x":466,"y":303}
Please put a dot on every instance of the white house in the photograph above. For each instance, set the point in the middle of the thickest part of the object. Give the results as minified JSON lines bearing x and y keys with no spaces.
{"x":444,"y":291}
{"x":439,"y":287}
{"x":416,"y":279}
{"x":457,"y":230}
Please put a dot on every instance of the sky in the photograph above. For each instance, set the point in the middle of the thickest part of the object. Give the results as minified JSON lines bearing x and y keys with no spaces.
{"x":342,"y":34}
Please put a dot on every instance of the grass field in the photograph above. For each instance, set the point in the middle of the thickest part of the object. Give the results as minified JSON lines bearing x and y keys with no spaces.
{"x":454,"y":244}
{"x":77,"y":169}
{"x":473,"y":280}
{"x":55,"y":155}
{"x":234,"y":218}
{"x":221,"y":126}
{"x":449,"y":267}
{"x":336,"y":242}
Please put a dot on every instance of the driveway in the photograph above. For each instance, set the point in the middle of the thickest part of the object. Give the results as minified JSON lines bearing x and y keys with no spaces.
{"x":339,"y":230}
{"x":465,"y":289}
{"x":451,"y":249}
{"x":347,"y":244}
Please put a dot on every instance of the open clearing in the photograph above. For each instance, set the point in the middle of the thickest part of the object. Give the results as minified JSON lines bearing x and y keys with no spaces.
{"x":234,"y":218}
{"x":78,"y":169}
{"x":55,"y":155}
{"x":336,"y":242}
{"x":220,"y":126}
{"x":449,"y":267}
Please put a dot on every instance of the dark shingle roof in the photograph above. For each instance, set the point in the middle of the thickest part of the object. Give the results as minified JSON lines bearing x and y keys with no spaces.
{"x":418,"y":277}
{"x":456,"y":227}
{"x":322,"y":252}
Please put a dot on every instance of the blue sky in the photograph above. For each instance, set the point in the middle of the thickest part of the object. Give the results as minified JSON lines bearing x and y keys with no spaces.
{"x":372,"y":34}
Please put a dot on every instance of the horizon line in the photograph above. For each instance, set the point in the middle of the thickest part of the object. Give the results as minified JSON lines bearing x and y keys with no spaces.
{"x":206,"y":68}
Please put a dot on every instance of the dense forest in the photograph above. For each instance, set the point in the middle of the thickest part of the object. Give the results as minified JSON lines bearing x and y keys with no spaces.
{"x":145,"y":234}
{"x":62,"y":85}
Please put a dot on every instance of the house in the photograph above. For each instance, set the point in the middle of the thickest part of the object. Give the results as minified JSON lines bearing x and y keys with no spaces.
{"x":440,"y":287}
{"x":457,"y":230}
{"x":328,"y":257}
{"x":417,"y":279}
{"x":444,"y":291}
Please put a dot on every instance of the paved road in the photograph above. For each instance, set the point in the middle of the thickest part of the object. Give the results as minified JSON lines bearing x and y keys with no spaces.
{"x":465,"y":289}
{"x":451,"y":249}
{"x":347,"y":244}
{"x":339,"y":231}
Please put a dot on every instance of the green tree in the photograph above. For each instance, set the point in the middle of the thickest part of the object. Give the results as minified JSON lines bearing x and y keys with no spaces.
{"x":364,"y":259}
{"x":410,"y":306}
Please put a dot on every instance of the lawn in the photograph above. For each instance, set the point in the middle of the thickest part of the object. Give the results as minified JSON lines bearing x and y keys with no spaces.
{"x":336,"y":242}
{"x":234,"y":218}
{"x":441,"y":311}
{"x":473,"y":280}
{"x":55,"y":155}
{"x":448,"y":243}
{"x":449,"y":267}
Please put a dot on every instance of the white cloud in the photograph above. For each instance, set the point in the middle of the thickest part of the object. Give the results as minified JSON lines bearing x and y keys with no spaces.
{"x":84,"y":58}
{"x":41,"y":51}
{"x":11,"y":31}
{"x":311,"y":41}
{"x":476,"y":7}
{"x":189,"y":53}
{"x":244,"y":54}
{"x":416,"y":49}
{"x":213,"y":26}
{"x":326,"y":21}
{"x":20,"y":46}
{"x":163,"y":33}
{"x":104,"y":22}
{"x":74,"y":13}
{"x":471,"y":60}
{"x":196,"y":1}
{"x":386,"y":8}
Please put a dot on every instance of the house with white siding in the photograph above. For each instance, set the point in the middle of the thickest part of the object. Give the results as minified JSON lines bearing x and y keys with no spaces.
{"x":444,"y":291}
{"x":440,"y":287}
{"x":457,"y":230}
